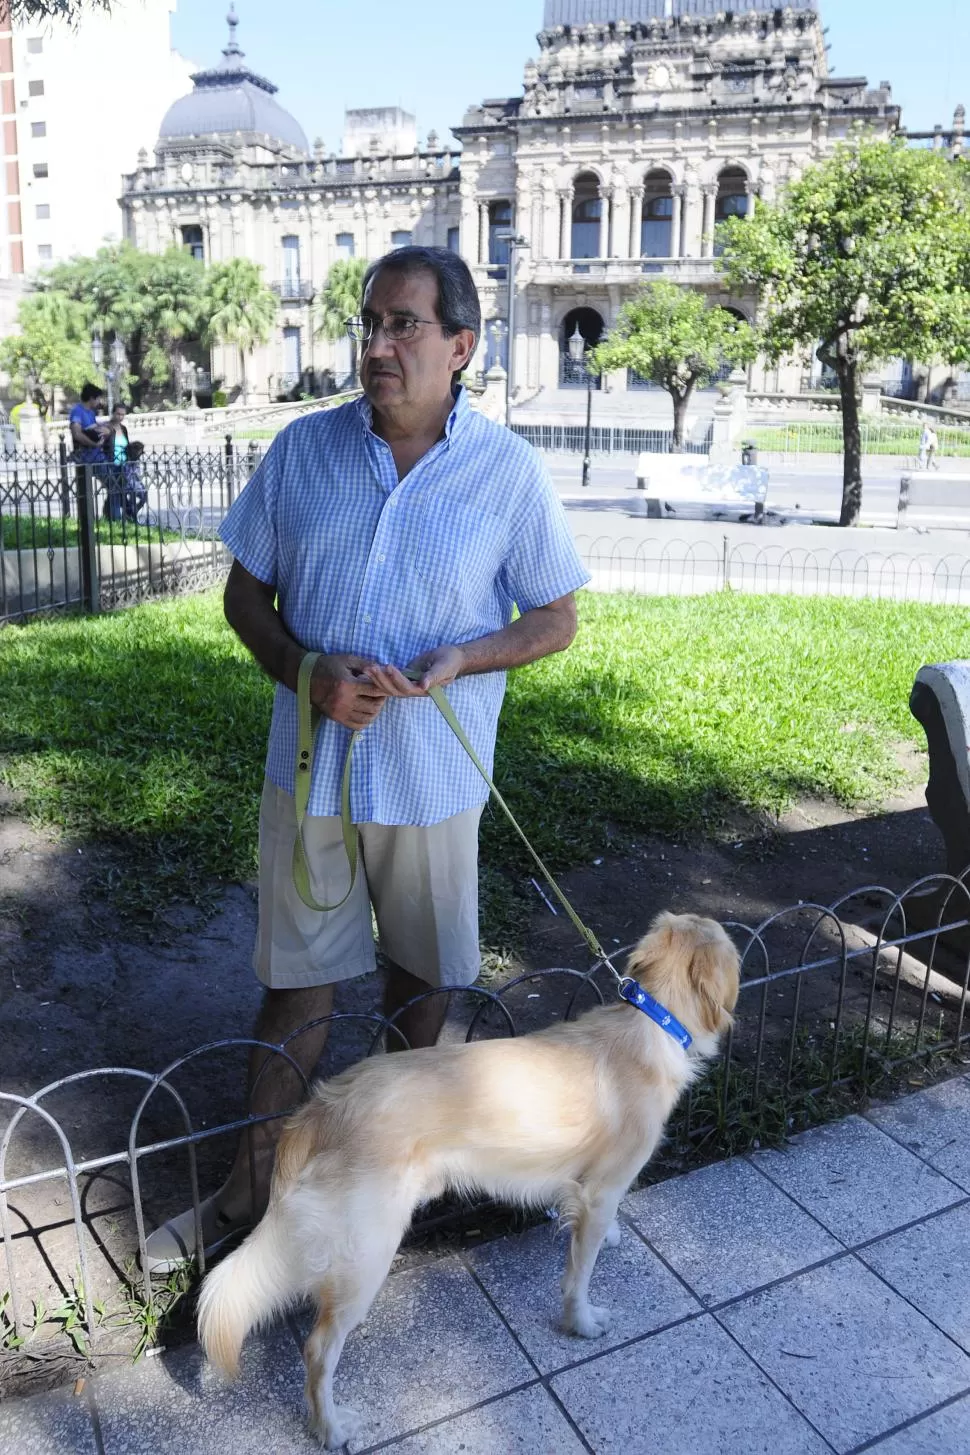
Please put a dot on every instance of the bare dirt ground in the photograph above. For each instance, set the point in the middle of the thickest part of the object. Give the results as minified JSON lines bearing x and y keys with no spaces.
{"x":80,"y":988}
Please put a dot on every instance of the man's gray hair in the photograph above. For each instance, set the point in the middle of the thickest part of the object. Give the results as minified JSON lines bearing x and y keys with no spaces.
{"x":458,"y":302}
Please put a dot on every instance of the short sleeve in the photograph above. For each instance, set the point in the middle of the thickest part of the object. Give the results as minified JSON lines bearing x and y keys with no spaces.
{"x":249,"y":529}
{"x":542,"y":563}
{"x":76,"y":415}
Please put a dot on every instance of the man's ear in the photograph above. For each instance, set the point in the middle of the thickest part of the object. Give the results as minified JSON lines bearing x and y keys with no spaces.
{"x":463,"y":344}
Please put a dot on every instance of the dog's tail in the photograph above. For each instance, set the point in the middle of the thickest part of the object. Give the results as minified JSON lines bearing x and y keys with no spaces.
{"x":250,"y":1287}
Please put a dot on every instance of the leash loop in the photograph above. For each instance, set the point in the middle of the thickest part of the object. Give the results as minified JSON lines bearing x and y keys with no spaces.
{"x":308,"y":722}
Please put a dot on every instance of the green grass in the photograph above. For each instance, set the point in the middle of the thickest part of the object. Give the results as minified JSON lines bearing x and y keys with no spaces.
{"x":54,"y":532}
{"x":812,"y":438}
{"x":147,"y":727}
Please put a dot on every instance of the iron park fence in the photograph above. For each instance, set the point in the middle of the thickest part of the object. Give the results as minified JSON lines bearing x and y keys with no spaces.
{"x":98,"y":536}
{"x":836,"y":1000}
{"x":611,"y":439}
{"x":662,"y":566}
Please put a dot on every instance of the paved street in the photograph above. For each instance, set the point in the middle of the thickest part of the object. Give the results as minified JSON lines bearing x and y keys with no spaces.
{"x":793,"y":1302}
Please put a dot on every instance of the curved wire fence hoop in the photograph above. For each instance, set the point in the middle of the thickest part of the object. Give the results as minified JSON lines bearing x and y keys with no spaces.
{"x":859,"y":997}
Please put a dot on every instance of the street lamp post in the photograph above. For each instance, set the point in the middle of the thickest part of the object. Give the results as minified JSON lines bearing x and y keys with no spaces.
{"x":115,"y":369}
{"x":577,"y":352}
{"x":515,"y":241}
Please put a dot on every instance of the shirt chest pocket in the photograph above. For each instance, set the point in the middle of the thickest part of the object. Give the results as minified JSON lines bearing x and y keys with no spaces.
{"x":459,"y":564}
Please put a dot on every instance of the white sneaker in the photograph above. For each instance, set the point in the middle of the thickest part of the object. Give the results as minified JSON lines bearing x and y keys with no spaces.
{"x":174,"y":1242}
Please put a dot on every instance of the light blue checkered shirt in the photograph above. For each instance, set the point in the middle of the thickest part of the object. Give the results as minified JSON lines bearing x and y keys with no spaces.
{"x":366,"y":565}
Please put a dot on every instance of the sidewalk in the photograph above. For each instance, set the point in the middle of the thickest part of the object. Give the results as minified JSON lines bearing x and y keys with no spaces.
{"x":785,"y":1303}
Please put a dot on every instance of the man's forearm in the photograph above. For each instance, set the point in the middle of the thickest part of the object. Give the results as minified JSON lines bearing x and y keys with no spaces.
{"x":253,"y":616}
{"x":535,"y":634}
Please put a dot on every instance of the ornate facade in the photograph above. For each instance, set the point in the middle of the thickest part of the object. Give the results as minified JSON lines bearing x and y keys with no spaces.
{"x":642,"y":124}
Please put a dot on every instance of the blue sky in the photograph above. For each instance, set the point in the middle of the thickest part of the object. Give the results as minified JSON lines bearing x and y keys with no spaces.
{"x":437,"y":57}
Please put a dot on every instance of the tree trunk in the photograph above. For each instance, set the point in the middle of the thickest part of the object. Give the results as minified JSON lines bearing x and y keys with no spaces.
{"x":243,"y":382}
{"x":136,"y":353}
{"x":848,"y":372}
{"x":681,"y":400}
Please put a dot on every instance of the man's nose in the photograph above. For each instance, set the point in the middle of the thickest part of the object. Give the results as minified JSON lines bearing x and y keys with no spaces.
{"x":379,"y":345}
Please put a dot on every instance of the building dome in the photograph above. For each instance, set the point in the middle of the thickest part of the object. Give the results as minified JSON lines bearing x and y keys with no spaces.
{"x":232,"y":99}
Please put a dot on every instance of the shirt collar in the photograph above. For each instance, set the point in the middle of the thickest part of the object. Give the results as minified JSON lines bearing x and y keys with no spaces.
{"x":456,"y":421}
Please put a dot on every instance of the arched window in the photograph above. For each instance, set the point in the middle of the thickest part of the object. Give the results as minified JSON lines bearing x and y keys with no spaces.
{"x":656,"y":227}
{"x":572,"y":372}
{"x":732,"y":199}
{"x":587,"y":212}
{"x":499,"y":221}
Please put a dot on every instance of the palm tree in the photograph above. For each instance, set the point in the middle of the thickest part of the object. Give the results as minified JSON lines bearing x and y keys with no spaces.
{"x":176,"y":306}
{"x":242,"y":309}
{"x":339,"y":301}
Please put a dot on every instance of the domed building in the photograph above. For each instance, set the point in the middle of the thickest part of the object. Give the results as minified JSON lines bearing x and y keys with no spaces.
{"x":641,"y":125}
{"x":232,"y":101}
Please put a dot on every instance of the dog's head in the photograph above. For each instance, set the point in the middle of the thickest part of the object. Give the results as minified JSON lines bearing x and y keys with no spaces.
{"x":691,"y":966}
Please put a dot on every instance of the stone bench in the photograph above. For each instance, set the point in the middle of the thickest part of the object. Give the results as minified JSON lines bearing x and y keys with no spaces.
{"x":928,"y":499}
{"x":940,"y":702}
{"x":692,"y":481}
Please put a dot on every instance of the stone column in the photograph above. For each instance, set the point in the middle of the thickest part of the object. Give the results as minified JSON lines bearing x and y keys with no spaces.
{"x":483,"y":232}
{"x":565,"y":221}
{"x":707,"y":225}
{"x":677,"y":224}
{"x":606,"y":217}
{"x":636,"y":218}
{"x":621,"y":223}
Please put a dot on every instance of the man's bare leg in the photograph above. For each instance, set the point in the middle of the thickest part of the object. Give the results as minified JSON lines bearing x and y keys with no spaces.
{"x":277,"y":1089}
{"x":422,"y":1023}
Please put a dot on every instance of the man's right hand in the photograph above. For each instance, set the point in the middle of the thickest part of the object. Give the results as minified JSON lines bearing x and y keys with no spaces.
{"x":341,"y":690}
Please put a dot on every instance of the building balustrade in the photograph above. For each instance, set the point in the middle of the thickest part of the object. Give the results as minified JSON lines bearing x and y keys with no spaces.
{"x":622,"y":270}
{"x":294,"y":290}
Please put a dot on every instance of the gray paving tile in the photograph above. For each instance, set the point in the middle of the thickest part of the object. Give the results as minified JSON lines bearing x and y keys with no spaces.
{"x":935,"y":1124}
{"x":47,"y":1424}
{"x":522,"y":1275}
{"x":431,"y":1347}
{"x":848,"y":1352}
{"x":687,"y":1391}
{"x":526,"y":1423}
{"x":727,"y":1230}
{"x":177,"y":1405}
{"x":928,"y":1265}
{"x":856,"y":1181}
{"x":948,"y":1430}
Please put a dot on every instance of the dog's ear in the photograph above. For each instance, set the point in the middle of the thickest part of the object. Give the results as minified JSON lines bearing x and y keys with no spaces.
{"x":713,"y":975}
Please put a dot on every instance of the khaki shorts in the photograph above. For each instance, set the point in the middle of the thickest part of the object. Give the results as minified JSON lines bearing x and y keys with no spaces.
{"x":422,"y":882}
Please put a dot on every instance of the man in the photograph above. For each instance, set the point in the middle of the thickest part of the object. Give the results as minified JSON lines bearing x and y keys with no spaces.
{"x":394,"y":533}
{"x":86,"y":434}
{"x":928,"y":445}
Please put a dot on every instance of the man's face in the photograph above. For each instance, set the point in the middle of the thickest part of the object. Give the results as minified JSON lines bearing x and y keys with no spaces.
{"x":414,"y":373}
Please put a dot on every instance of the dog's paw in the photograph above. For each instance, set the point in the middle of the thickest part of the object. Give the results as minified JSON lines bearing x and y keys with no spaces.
{"x":590,"y":1322}
{"x":334,"y":1434}
{"x":613,"y":1235}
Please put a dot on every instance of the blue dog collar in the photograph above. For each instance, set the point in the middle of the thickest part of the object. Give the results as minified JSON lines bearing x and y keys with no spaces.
{"x":634,"y":994}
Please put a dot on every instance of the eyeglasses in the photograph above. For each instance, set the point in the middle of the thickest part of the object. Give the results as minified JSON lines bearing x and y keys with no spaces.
{"x":397,"y":327}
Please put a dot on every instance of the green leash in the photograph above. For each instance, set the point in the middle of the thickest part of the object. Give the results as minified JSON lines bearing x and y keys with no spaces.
{"x":308,"y":719}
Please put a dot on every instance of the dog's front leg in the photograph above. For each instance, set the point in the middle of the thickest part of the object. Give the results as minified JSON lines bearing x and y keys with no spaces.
{"x":594,"y":1219}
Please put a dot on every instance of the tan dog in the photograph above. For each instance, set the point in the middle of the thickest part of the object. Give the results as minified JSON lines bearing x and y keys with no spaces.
{"x":564,"y":1118}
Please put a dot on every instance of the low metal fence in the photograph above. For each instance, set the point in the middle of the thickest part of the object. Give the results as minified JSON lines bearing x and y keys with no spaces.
{"x":92,"y":537}
{"x":611,"y":439}
{"x":661,"y":566}
{"x":835,"y":1001}
{"x":897,"y":441}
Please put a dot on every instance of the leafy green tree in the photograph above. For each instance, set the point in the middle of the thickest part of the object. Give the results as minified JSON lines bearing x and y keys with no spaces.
{"x":339,"y":300}
{"x":51,"y":351}
{"x":672,"y":336}
{"x":72,"y":11}
{"x":115,"y":290}
{"x":869,"y":253}
{"x":177,"y":309}
{"x":241,"y":307}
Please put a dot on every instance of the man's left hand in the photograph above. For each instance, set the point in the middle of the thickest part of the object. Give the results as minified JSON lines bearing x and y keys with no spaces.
{"x":437,"y":668}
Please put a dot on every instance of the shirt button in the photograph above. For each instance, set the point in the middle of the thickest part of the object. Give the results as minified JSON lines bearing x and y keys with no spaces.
{"x":381,"y":560}
{"x":367,"y":617}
